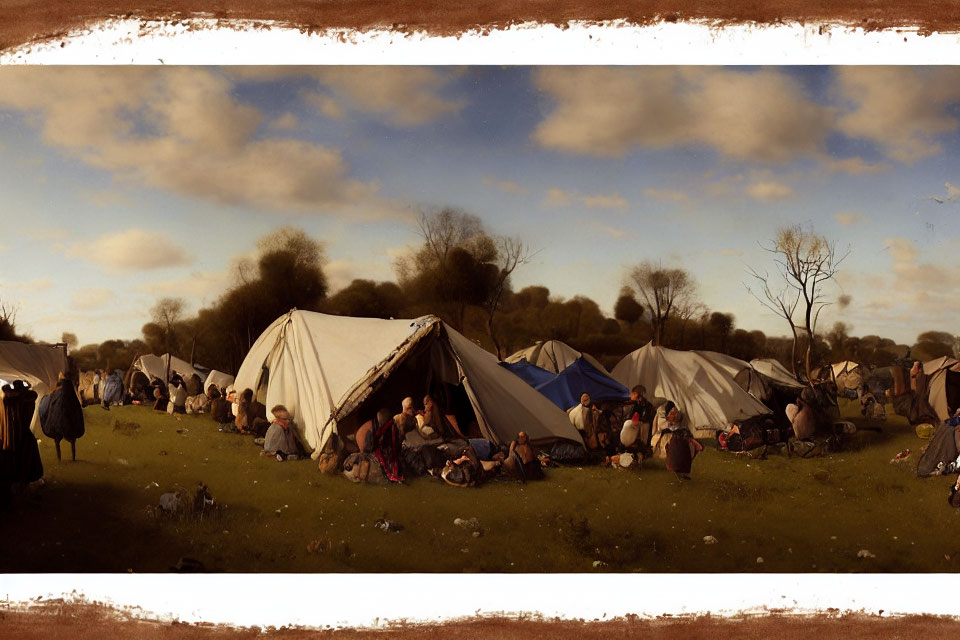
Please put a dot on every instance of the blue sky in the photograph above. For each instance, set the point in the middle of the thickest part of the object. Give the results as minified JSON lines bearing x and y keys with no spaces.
{"x":122,"y":185}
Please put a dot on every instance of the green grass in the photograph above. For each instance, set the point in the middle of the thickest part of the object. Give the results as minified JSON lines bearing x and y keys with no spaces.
{"x":799,"y":515}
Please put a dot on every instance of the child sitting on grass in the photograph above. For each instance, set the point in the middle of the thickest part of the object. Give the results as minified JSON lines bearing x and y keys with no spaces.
{"x":281,"y":438}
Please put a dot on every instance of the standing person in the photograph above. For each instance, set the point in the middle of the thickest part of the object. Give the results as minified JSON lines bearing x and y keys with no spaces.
{"x":96,"y":385}
{"x":586,"y":418}
{"x":61,"y":416}
{"x":681,"y":447}
{"x":19,"y":456}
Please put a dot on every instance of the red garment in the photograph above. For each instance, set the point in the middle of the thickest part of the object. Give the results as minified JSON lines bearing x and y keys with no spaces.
{"x":387,"y":450}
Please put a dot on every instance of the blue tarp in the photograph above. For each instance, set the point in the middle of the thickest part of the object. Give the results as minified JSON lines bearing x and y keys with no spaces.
{"x":531,"y":373}
{"x":565,"y":388}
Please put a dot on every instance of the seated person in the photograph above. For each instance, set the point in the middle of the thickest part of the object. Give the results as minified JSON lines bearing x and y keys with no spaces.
{"x":160,"y":395}
{"x":406,"y":420}
{"x":251,"y":416}
{"x":522,"y":459}
{"x":802,"y":416}
{"x":177,"y":392}
{"x":281,"y":439}
{"x":432,"y":422}
{"x":636,"y":416}
{"x":219,"y":407}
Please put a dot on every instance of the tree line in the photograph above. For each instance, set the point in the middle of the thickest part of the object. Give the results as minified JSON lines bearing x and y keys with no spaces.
{"x":463,"y":273}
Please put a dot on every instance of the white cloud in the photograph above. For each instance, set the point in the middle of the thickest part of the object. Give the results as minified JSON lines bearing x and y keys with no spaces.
{"x":134,"y":249}
{"x":201,"y":285}
{"x":902,"y":109}
{"x":609,"y":111}
{"x":927,"y":287}
{"x":769,"y":191}
{"x":953,"y":193}
{"x":180,"y":129}
{"x":89,"y":299}
{"x":849,"y":218}
{"x":403,"y":96}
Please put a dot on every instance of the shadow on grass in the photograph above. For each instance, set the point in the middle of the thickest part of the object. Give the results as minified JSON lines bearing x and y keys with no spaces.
{"x":80,"y":528}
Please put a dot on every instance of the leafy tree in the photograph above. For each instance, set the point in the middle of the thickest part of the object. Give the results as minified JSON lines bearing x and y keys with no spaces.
{"x":367,"y":299}
{"x":627,"y":308}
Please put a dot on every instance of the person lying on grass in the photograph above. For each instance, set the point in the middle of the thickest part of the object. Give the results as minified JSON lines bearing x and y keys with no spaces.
{"x":281,"y":439}
{"x":480,"y":460}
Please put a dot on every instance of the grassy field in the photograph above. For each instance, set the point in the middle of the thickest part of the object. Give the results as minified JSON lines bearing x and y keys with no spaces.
{"x":798,"y":515}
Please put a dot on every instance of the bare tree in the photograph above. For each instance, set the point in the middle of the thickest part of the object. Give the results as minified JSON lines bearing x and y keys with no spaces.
{"x":8,"y":321}
{"x":806,"y":262}
{"x":511,"y":253}
{"x":662,"y":289}
{"x":167,"y":313}
{"x":782,"y":300}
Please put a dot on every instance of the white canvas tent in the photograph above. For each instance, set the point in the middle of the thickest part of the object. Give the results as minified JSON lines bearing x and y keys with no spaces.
{"x":220,"y":379}
{"x":156,"y":367}
{"x":776,"y":372}
{"x":554,"y":356}
{"x":944,"y":384}
{"x":37,"y":364}
{"x":325,"y":369}
{"x":705,"y":391}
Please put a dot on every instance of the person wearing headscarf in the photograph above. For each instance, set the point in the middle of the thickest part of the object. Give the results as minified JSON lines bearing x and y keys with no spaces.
{"x":61,"y":416}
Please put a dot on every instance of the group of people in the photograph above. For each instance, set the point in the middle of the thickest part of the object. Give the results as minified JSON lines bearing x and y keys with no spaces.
{"x":635,"y":429}
{"x":420,"y":441}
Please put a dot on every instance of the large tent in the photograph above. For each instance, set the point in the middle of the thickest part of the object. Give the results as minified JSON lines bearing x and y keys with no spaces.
{"x":704,"y":390}
{"x":38,"y":364}
{"x":565,"y":388}
{"x":331,"y":372}
{"x":554,"y":356}
{"x":156,"y":367}
{"x":944,"y":385}
{"x":217,"y":378}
